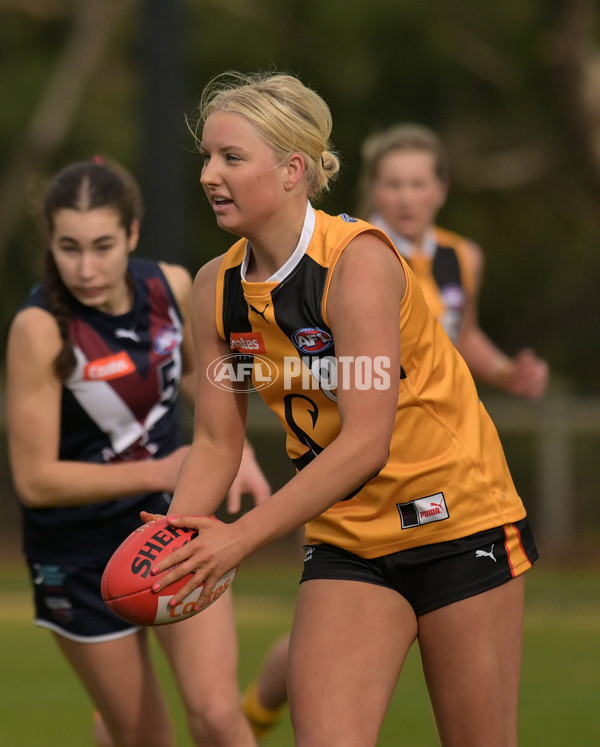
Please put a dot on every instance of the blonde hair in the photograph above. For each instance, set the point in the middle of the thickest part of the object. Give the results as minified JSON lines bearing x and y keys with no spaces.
{"x":403,"y":137}
{"x":290,"y":116}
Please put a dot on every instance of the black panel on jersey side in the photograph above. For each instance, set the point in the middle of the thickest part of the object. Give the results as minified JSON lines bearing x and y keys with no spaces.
{"x":235,"y":308}
{"x":446,"y":268}
{"x":297,"y":299}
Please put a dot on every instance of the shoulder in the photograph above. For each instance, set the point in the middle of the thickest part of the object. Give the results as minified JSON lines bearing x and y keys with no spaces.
{"x":33,"y":336}
{"x":334,"y":234}
{"x":33,"y":320}
{"x":475,"y":255}
{"x":209,"y":272}
{"x":368,"y":257}
{"x":336,"y":227}
{"x":205,"y":283}
{"x":178,"y":279}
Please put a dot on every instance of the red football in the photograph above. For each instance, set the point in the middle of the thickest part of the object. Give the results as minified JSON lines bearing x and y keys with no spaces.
{"x":127,"y":582}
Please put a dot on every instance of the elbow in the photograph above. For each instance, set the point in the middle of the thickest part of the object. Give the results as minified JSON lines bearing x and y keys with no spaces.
{"x":372,"y":458}
{"x":378,"y":460}
{"x":29,"y":498}
{"x":30,"y":494}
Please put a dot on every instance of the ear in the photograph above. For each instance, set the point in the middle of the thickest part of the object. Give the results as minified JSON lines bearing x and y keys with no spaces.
{"x":443,"y":192}
{"x":295,"y":167}
{"x":134,"y":235}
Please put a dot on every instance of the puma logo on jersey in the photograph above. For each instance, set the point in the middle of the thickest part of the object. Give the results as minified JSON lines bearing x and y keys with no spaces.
{"x":130,"y":334}
{"x":260,"y":313}
{"x":484,"y":554}
{"x":423,"y":511}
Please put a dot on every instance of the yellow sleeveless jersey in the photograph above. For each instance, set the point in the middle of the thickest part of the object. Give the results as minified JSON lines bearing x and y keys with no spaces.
{"x":446,"y":278}
{"x":446,"y":476}
{"x":443,"y":267}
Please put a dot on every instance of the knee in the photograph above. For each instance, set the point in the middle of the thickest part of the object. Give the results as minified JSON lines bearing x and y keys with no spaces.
{"x":220,"y":721}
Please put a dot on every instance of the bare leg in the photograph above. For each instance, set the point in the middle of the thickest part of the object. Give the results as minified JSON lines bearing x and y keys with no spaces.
{"x":120,"y":679}
{"x":204,"y":655}
{"x":348,"y":644}
{"x":101,"y":736}
{"x":264,"y":699}
{"x":471,"y":652}
{"x":272,"y":681}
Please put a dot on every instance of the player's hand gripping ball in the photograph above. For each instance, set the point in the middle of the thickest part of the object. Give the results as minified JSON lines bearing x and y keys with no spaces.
{"x":127,"y":581}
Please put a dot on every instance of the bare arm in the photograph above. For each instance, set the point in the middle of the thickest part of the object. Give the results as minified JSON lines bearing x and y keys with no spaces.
{"x":34,"y":393}
{"x":250,"y":478}
{"x":180,"y":283}
{"x":220,"y":416}
{"x":368,"y":277}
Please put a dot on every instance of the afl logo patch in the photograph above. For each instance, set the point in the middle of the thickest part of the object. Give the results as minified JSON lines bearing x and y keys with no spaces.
{"x":312,"y":340}
{"x":453,"y":296}
{"x":166,"y":340}
{"x":348,"y":218}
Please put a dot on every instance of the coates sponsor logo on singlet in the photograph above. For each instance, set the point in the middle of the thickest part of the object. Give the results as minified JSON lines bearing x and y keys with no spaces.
{"x":312,"y":340}
{"x":166,"y":340}
{"x":423,"y":511}
{"x":348,"y":218}
{"x":247,"y":342}
{"x":111,"y":367}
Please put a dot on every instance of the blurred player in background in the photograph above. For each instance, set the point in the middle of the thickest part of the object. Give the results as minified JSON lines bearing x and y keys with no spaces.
{"x":95,"y":359}
{"x":403,"y":184}
{"x":414,"y":530}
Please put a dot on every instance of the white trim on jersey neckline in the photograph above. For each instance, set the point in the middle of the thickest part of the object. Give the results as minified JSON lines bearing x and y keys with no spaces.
{"x":406,"y":248}
{"x":308,"y":229}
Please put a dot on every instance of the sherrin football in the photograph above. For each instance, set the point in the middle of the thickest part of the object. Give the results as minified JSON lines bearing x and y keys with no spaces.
{"x":127,"y":581}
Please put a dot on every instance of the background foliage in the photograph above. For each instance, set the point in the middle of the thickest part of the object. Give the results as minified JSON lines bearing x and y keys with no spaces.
{"x":513,"y":88}
{"x":509,"y":86}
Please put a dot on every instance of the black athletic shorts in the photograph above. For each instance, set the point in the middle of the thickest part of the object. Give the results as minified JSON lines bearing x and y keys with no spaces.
{"x":68,"y":601}
{"x":434,"y":575}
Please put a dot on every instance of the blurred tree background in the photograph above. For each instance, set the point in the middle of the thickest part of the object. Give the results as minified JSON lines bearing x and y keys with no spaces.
{"x":513,"y":88}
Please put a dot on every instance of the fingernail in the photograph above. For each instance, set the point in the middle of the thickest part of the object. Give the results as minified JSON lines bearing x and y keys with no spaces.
{"x":154,"y":571}
{"x":156,"y":587}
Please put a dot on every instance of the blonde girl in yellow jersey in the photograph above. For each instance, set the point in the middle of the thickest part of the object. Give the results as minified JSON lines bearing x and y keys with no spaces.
{"x":414,"y":529}
{"x":403,"y":185}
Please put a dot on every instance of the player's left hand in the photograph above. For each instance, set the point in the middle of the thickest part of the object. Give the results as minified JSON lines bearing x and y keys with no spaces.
{"x":529,"y":376}
{"x":214,"y":552}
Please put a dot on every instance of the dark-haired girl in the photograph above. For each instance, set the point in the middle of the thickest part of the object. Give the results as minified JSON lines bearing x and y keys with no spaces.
{"x":96,"y":357}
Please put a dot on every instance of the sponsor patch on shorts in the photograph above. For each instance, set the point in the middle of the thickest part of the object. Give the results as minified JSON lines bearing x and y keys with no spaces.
{"x":423,"y":511}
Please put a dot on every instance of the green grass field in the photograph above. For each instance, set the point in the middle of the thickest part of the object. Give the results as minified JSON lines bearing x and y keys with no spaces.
{"x":42,"y":705}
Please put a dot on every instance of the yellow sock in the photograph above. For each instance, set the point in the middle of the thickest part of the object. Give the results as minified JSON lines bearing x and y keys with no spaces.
{"x":261,"y":719}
